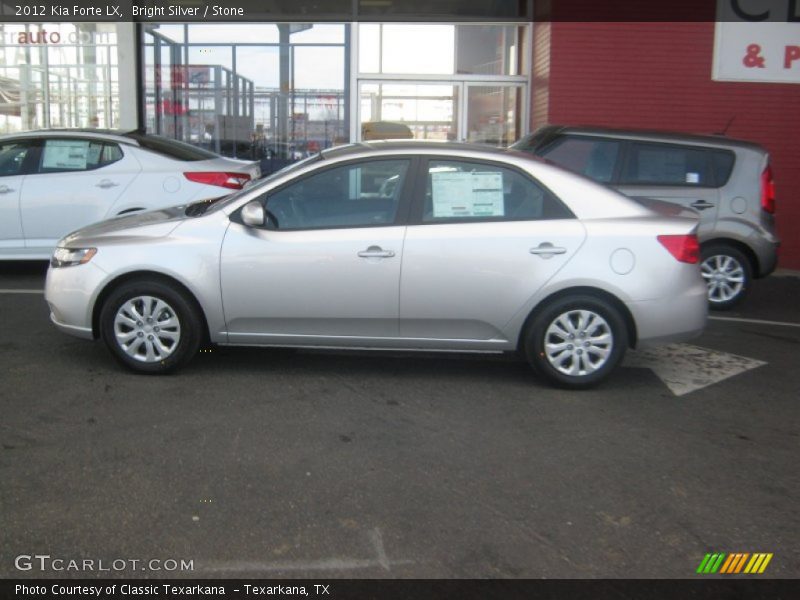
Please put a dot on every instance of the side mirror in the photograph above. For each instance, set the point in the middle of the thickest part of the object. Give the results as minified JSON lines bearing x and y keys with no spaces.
{"x":253,"y":214}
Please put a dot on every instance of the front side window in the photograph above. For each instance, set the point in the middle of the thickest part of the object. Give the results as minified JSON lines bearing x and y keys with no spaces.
{"x":66,"y":155}
{"x":666,"y":164}
{"x":595,"y":158}
{"x":12,"y":157}
{"x":355,"y":195}
{"x":469,"y":191}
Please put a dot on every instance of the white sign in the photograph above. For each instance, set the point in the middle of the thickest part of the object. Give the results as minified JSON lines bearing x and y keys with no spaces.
{"x":65,"y":154}
{"x":459,"y":194}
{"x":757,"y":40}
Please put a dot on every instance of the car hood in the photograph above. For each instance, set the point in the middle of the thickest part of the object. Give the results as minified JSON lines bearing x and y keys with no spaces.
{"x":150,"y":224}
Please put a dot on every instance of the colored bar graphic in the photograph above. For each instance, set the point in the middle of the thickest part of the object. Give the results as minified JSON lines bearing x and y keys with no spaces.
{"x":734,"y":563}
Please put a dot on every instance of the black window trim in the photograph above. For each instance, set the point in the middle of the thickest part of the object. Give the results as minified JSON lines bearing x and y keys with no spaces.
{"x":403,"y":205}
{"x":418,"y":204}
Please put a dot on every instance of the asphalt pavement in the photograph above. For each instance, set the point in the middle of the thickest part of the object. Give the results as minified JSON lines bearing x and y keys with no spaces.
{"x":281,"y":463}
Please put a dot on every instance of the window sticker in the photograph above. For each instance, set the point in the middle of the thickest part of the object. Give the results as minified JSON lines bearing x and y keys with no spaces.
{"x":65,"y":154}
{"x":693,"y":178}
{"x":459,"y":194}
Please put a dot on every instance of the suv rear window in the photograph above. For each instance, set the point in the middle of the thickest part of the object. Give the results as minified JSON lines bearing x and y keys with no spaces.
{"x":667,"y":164}
{"x":171,"y":148}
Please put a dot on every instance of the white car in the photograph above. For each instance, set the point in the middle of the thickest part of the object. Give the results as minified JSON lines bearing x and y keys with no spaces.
{"x":54,"y":182}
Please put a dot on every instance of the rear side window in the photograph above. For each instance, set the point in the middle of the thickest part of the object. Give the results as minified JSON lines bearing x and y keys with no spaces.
{"x":67,"y":155}
{"x":171,"y":148}
{"x":595,"y":158}
{"x":667,"y":164}
{"x":459,"y":191}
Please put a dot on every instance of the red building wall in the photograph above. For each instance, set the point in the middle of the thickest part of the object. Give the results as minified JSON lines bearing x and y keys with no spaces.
{"x":658,"y":76}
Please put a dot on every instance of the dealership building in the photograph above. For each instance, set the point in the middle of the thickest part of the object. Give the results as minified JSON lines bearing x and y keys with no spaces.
{"x":303,"y":76}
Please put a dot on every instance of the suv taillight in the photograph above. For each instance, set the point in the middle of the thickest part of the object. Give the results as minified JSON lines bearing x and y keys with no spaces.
{"x":233,"y":181}
{"x":768,"y":191}
{"x":685,"y":248}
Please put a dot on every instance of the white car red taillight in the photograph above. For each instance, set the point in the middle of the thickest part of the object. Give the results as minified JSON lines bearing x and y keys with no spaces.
{"x":232,"y":181}
{"x":685,"y":248}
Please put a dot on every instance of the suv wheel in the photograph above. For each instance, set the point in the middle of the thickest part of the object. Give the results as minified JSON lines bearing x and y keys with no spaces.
{"x":150,"y":327}
{"x":728,"y":274}
{"x":576,"y":341}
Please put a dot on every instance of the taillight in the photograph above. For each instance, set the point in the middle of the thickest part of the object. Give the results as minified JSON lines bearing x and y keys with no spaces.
{"x":685,"y":248}
{"x":233,"y":181}
{"x":768,"y":191}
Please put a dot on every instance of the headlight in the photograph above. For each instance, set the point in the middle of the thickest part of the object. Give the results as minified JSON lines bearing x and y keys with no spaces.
{"x":69,"y":257}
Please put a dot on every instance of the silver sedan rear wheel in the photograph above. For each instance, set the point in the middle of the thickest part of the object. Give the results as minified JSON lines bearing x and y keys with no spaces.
{"x":578,"y":342}
{"x":147,"y":329}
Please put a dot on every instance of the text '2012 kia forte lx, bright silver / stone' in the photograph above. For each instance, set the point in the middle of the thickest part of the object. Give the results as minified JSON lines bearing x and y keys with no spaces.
{"x":391,"y":245}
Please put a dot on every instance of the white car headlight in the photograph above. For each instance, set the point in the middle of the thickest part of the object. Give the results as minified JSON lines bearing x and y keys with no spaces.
{"x":69,"y":257}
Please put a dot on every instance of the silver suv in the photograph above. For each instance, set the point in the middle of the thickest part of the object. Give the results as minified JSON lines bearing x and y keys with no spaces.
{"x":728,"y":182}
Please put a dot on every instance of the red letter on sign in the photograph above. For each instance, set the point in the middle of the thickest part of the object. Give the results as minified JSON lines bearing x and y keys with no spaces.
{"x":792,"y":54}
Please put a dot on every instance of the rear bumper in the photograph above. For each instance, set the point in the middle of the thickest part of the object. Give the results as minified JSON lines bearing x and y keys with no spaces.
{"x":766,"y":250}
{"x":673,"y":319}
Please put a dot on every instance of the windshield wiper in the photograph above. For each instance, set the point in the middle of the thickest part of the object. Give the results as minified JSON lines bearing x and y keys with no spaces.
{"x":198,"y":208}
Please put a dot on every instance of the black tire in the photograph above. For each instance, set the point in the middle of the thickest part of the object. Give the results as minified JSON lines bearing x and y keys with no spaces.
{"x":728,"y":273}
{"x":591,"y":367}
{"x":164,"y":354}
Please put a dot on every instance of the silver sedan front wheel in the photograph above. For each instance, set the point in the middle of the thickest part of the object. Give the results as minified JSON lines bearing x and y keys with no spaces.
{"x":578,"y":342}
{"x":151,"y":325}
{"x":147,"y":329}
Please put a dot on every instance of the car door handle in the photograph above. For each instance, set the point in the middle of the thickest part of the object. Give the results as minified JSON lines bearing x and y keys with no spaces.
{"x":4,"y":189}
{"x":376,"y":252}
{"x":547,"y":250}
{"x":701,"y":205}
{"x":106,"y":183}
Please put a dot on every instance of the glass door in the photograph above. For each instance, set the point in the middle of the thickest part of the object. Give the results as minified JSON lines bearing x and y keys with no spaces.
{"x":493,"y":113}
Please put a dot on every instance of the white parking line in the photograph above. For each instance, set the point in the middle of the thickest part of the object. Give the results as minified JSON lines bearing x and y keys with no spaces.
{"x":21,"y":291}
{"x":754,"y":321}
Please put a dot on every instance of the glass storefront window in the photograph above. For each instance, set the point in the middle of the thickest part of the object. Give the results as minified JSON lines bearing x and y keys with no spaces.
{"x":268,"y":91}
{"x":59,"y":75}
{"x":414,"y":49}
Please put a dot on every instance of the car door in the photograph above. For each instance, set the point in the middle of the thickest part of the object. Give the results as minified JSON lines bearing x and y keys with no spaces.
{"x":325,"y":270}
{"x":15,"y":158}
{"x":483,"y":239}
{"x":77,"y":183}
{"x":673,"y":173}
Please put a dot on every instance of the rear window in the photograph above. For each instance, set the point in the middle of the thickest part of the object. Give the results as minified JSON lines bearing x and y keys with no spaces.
{"x":171,"y":148}
{"x":667,"y":164}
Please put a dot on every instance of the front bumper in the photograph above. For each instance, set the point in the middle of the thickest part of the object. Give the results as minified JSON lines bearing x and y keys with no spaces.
{"x":70,"y":293}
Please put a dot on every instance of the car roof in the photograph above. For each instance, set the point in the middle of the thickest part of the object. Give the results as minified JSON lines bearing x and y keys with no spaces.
{"x":412,"y":146}
{"x":649,"y":134}
{"x":116,"y":135}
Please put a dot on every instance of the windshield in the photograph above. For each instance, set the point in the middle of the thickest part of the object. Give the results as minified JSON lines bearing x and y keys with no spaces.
{"x":204,"y":206}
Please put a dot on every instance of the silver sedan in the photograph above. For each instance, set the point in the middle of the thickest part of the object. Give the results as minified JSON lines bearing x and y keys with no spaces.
{"x":391,"y":245}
